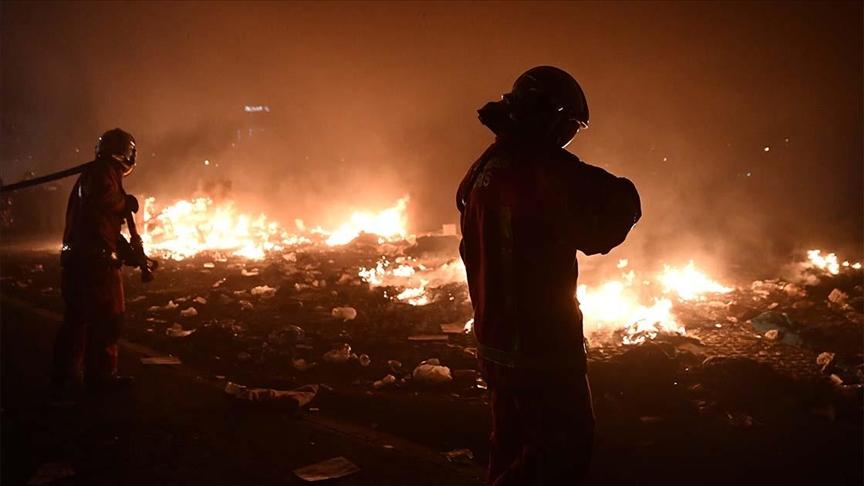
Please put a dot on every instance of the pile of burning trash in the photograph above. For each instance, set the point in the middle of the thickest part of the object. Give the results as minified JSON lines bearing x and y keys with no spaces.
{"x":370,"y":306}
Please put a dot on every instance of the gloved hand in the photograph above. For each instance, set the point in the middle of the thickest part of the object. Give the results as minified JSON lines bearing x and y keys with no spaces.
{"x":131,"y":203}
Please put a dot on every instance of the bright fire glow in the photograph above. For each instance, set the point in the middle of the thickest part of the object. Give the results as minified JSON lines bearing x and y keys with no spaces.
{"x":188,"y":227}
{"x":388,"y":224}
{"x":688,"y":282}
{"x":619,"y":304}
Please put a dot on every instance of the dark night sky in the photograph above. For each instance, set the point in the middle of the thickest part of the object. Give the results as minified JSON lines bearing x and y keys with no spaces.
{"x":372,"y":101}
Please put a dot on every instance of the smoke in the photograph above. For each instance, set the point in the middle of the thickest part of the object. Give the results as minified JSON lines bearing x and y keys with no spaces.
{"x":370,"y":102}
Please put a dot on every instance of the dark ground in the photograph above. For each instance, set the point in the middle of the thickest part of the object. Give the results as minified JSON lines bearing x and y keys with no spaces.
{"x":663,"y":416}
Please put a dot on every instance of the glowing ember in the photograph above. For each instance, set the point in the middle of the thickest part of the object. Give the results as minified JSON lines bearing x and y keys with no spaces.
{"x":827,"y":262}
{"x":688,"y":282}
{"x":389,"y":225}
{"x":412,"y":277}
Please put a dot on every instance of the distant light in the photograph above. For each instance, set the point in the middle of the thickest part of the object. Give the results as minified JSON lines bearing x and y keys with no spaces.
{"x":665,"y":159}
{"x":77,"y":150}
{"x":256,"y":108}
{"x":749,"y":174}
{"x":767,"y":149}
{"x":206,"y":162}
{"x":786,"y":139}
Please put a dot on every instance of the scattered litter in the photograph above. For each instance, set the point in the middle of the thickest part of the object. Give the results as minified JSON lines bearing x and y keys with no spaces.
{"x":460,"y":456}
{"x":288,"y":335}
{"x":300,"y":364}
{"x":429,"y":337}
{"x":177,"y":330}
{"x":189,"y":312}
{"x":246,"y":305}
{"x":161,"y":360}
{"x":137,"y":298}
{"x":264,"y":292}
{"x":290,"y":257}
{"x":171,"y":305}
{"x":364,"y":360}
{"x":199,"y":300}
{"x":218,"y":283}
{"x":430,"y":372}
{"x":344,"y":313}
{"x":156,"y":321}
{"x":772,"y":334}
{"x":825,"y":360}
{"x":453,"y":328}
{"x":838,"y":297}
{"x":769,"y":320}
{"x":339,"y":354}
{"x":386,"y":381}
{"x":296,"y":398}
{"x":336,"y":467}
{"x":394,"y":365}
{"x":249,"y":273}
{"x":50,"y":473}
{"x":209,"y":265}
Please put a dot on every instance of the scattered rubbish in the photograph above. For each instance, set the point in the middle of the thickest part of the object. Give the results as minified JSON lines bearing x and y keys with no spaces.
{"x":429,"y":337}
{"x":177,"y":330}
{"x":249,"y":273}
{"x":453,"y":328}
{"x":161,"y":360}
{"x":430,"y":372}
{"x":263,"y":291}
{"x":290,"y":257}
{"x":364,"y":360}
{"x":171,"y":305}
{"x":339,"y":354}
{"x":199,"y":300}
{"x":769,"y":320}
{"x":394,"y":365}
{"x":300,"y":364}
{"x":740,"y":420}
{"x":50,"y":473}
{"x":344,"y":313}
{"x":296,"y":398}
{"x":218,"y":283}
{"x":386,"y":381}
{"x":838,"y":297}
{"x":137,"y":298}
{"x":825,"y":361}
{"x":772,"y":334}
{"x":209,"y":265}
{"x":246,"y":305}
{"x":336,"y":467}
{"x":286,"y":336}
{"x":460,"y":456}
{"x":189,"y":312}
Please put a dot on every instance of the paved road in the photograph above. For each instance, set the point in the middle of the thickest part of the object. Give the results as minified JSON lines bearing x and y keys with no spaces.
{"x":176,"y":428}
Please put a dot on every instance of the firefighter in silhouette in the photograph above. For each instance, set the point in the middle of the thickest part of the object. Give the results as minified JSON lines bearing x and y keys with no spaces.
{"x":85,"y":350}
{"x":527,"y":205}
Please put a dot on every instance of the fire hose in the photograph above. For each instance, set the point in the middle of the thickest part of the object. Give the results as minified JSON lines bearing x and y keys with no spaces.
{"x":132,"y":252}
{"x":46,"y":178}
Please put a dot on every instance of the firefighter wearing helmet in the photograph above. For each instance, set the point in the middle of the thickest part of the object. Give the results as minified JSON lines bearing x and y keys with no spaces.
{"x":527,"y":206}
{"x":85,"y":351}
